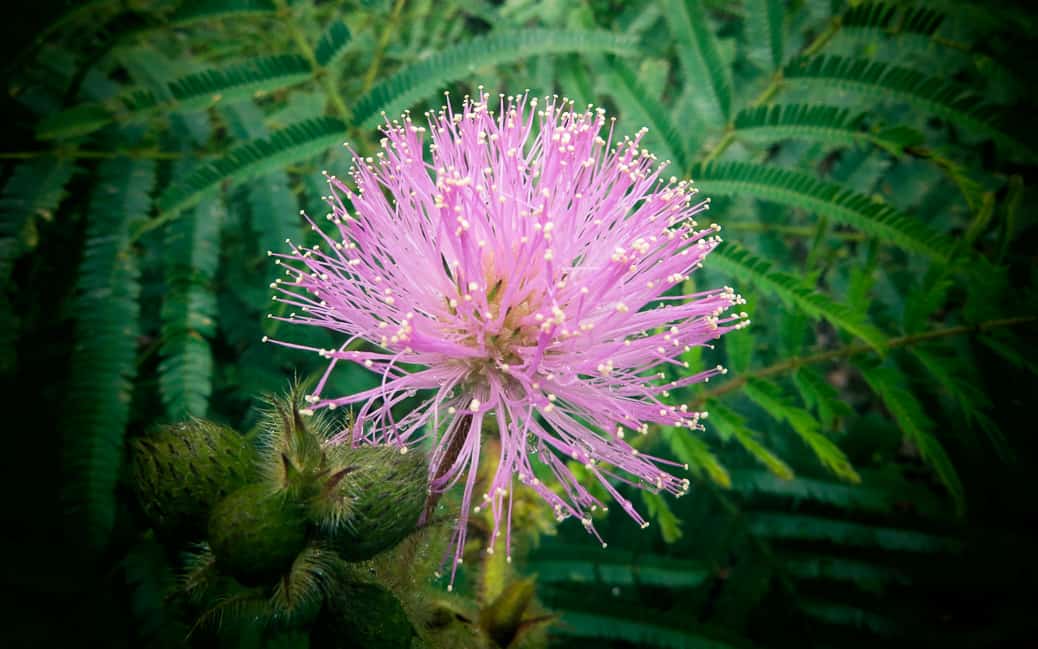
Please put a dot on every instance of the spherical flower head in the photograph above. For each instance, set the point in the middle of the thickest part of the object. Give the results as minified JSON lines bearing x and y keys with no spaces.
{"x":527,"y":277}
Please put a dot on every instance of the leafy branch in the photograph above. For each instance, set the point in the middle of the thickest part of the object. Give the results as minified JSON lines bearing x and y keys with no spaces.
{"x":854,"y":349}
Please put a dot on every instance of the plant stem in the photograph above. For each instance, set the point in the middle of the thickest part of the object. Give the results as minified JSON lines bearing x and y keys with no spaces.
{"x":854,"y":349}
{"x":773,"y":87}
{"x":792,"y":230}
{"x":149,"y":154}
{"x":320,"y":74}
{"x":383,"y":42}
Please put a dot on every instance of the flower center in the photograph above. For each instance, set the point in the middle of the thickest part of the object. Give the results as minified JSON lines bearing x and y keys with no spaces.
{"x":495,"y":317}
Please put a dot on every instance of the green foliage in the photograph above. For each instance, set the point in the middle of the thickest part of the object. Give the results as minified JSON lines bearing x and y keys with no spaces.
{"x":332,"y":45}
{"x":636,"y":101}
{"x":764,"y":33}
{"x":291,"y":144}
{"x":193,"y":92}
{"x":33,"y":191}
{"x":97,"y":405}
{"x":918,"y":428}
{"x":872,"y":78}
{"x":422,"y":79}
{"x":843,"y":205}
{"x":189,"y":310}
{"x":570,"y":563}
{"x":889,"y":17}
{"x":771,"y":399}
{"x":817,"y":122}
{"x":203,"y":10}
{"x":744,"y":265}
{"x":700,"y":61}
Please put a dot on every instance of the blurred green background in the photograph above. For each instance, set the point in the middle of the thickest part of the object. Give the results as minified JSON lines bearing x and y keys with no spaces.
{"x":866,"y":476}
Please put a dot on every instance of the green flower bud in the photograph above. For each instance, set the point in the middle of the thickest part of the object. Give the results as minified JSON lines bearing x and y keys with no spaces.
{"x":181,"y":471}
{"x":372,"y":501}
{"x":256,"y":535}
{"x":363,"y":615}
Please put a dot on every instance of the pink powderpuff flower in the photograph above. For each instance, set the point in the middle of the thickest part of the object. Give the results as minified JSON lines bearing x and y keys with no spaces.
{"x":527,"y":272}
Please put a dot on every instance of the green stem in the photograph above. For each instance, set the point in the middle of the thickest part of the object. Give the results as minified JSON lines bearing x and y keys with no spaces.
{"x":792,"y":230}
{"x":149,"y":154}
{"x":853,"y":349}
{"x":773,"y":87}
{"x":383,"y":42}
{"x":322,"y":76}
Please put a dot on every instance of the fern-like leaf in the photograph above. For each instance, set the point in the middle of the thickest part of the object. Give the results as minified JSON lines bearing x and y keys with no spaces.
{"x":251,"y":159}
{"x":104,"y":361}
{"x":273,"y":211}
{"x":694,"y":452}
{"x":149,"y":579}
{"x":865,"y":575}
{"x":917,"y":427}
{"x":564,"y":563}
{"x":948,"y":100}
{"x":888,"y":17}
{"x":730,"y":425}
{"x":954,"y":374}
{"x":195,"y":11}
{"x":805,"y":191}
{"x":196,"y":91}
{"x":332,"y":44}
{"x":639,"y":628}
{"x":420,"y":80}
{"x":192,"y":247}
{"x":764,"y":33}
{"x":659,"y":510}
{"x":638,"y":107}
{"x":742,"y":264}
{"x":33,"y":191}
{"x":818,"y":394}
{"x":857,"y":618}
{"x":700,"y":60}
{"x":878,"y":493}
{"x":770,"y":398}
{"x":803,"y":528}
{"x":819,"y":123}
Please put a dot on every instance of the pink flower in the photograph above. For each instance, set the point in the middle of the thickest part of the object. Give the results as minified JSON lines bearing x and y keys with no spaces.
{"x":528,"y":273}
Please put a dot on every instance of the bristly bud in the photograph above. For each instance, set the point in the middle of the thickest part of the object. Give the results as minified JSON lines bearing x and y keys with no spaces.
{"x":292,"y":457}
{"x":363,"y":615}
{"x":181,"y":471}
{"x":256,"y":534}
{"x":294,"y":600}
{"x":299,"y":595}
{"x":371,"y":501}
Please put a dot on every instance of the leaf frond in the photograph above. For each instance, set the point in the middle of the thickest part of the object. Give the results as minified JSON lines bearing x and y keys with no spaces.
{"x":421,"y":80}
{"x":739,"y":262}
{"x":250,"y":159}
{"x":945,"y":99}
{"x":804,"y":191}
{"x":104,"y":361}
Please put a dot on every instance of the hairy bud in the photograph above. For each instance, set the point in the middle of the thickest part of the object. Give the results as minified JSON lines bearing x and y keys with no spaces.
{"x":256,"y":535}
{"x":372,"y":500}
{"x":181,"y":471}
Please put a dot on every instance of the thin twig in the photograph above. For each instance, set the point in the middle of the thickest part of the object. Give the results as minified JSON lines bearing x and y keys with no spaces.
{"x":792,"y":230}
{"x":853,"y":349}
{"x":773,"y":87}
{"x":72,"y":154}
{"x":323,"y":78}
{"x":383,"y":42}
